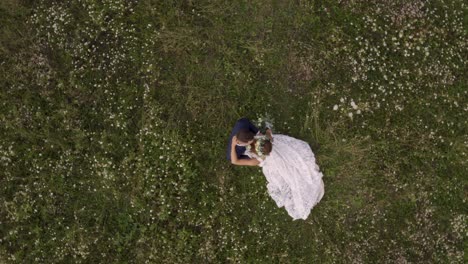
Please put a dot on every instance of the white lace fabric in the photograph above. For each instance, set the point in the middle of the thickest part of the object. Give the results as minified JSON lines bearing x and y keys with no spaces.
{"x":294,"y":179}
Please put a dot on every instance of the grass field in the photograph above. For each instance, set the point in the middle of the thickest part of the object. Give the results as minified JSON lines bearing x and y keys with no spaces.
{"x":115,"y":116}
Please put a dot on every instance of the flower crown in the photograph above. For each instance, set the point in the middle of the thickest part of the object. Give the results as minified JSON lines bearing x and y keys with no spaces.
{"x":259,"y":144}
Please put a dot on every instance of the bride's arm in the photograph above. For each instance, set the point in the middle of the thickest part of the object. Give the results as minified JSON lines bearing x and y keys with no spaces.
{"x":269,"y":134}
{"x":241,"y":162}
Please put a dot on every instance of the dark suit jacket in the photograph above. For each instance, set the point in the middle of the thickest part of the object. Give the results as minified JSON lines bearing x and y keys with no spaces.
{"x":242,"y":123}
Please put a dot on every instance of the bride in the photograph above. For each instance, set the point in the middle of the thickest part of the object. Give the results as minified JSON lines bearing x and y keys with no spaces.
{"x":294,"y":179}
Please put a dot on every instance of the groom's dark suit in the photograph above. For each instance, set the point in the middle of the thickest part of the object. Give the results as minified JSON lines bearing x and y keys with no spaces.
{"x":242,"y":123}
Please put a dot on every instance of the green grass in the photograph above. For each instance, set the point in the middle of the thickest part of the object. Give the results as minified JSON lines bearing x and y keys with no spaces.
{"x":115,"y":116}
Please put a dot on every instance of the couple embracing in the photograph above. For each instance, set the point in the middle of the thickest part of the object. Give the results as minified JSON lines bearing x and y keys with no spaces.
{"x":294,"y":179}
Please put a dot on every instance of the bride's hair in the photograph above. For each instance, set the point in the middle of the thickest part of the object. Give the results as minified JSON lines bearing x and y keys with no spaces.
{"x":267,"y":147}
{"x":262,"y":147}
{"x":245,"y":135}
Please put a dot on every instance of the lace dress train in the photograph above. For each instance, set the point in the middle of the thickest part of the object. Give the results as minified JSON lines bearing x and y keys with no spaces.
{"x":294,"y":179}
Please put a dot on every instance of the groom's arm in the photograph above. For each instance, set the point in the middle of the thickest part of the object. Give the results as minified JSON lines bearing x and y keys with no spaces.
{"x":252,"y":127}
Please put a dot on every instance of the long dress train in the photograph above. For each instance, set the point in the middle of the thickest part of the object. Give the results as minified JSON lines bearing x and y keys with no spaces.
{"x":294,"y":179}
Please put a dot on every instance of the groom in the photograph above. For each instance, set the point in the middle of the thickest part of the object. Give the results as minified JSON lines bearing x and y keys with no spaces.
{"x":244,"y":131}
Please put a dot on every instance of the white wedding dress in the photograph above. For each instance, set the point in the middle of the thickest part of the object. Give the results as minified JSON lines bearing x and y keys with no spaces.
{"x":294,"y":179}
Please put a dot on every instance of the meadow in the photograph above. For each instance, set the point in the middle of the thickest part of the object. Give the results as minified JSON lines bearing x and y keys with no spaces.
{"x":115,"y":117}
